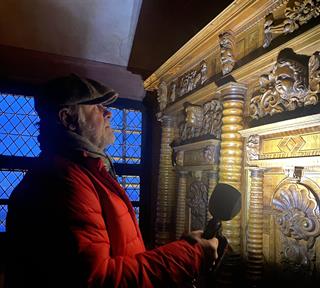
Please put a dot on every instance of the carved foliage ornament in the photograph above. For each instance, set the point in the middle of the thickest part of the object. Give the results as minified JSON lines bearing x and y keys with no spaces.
{"x":287,"y":86}
{"x":297,"y":215}
{"x":197,"y":201}
{"x":226,"y":50}
{"x":202,"y":120}
{"x":189,"y":82}
{"x":297,"y":13}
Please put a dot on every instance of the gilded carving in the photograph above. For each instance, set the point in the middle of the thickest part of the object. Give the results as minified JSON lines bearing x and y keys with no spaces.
{"x":201,"y":120}
{"x":286,"y":87}
{"x":172,"y":96}
{"x":193,"y":79}
{"x":197,"y":202}
{"x":296,"y":211}
{"x":162,"y":96}
{"x":297,"y":13}
{"x":178,"y":158}
{"x":209,"y":153}
{"x":226,"y":41}
{"x":314,"y":72}
{"x":252,"y":148}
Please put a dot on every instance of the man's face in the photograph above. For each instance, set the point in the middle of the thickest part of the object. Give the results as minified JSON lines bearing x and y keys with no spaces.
{"x":94,"y":124}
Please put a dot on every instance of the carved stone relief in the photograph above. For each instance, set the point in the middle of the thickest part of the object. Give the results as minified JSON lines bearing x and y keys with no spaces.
{"x":197,"y":202}
{"x":226,"y":41}
{"x":162,"y":95}
{"x":201,"y":120}
{"x":287,"y":86}
{"x":296,"y":211}
{"x":296,"y":13}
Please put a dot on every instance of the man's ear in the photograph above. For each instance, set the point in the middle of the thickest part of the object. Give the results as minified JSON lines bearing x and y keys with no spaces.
{"x":66,"y":119}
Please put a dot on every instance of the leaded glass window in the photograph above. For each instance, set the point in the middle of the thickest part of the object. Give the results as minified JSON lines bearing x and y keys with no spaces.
{"x":127,"y":125}
{"x":18,"y":126}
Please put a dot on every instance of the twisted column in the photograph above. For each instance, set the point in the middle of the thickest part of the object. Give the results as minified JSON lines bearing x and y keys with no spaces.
{"x":230,"y":172}
{"x":181,"y":204}
{"x":166,"y":186}
{"x":255,"y":227}
{"x":232,"y":95}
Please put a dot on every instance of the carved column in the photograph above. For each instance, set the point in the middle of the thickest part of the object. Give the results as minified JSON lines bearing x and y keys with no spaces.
{"x":232,"y":96}
{"x":181,"y":204}
{"x":255,"y":227}
{"x":166,"y":186}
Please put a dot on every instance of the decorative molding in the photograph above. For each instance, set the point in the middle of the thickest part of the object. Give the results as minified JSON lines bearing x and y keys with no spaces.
{"x":284,"y":162}
{"x":283,"y":126}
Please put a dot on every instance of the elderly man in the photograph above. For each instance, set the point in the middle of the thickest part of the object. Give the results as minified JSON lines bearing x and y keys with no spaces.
{"x":70,"y":223}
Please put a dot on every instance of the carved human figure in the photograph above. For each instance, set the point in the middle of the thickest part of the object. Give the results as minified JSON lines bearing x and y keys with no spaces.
{"x":290,"y":77}
{"x":173,"y":92}
{"x":226,"y":52}
{"x":162,"y":96}
{"x":203,"y":72}
{"x":193,"y":121}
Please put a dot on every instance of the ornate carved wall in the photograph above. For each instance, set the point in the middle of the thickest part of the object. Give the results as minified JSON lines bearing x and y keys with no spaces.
{"x":243,"y":98}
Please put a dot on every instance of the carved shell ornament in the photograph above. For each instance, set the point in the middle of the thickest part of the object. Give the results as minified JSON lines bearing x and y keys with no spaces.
{"x":297,"y":212}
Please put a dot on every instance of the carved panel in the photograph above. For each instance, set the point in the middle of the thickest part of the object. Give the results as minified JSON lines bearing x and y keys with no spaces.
{"x":296,"y":13}
{"x":305,"y":144}
{"x":197,"y":203}
{"x":287,"y":86}
{"x":296,"y":210}
{"x":203,"y":156}
{"x":201,"y":121}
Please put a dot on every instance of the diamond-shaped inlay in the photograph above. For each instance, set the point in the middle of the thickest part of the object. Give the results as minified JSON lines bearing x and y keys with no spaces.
{"x":291,"y":144}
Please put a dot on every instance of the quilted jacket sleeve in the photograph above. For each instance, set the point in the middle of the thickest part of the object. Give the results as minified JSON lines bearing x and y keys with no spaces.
{"x":166,"y":266}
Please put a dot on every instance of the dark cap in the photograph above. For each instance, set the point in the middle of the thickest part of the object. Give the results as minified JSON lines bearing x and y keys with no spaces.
{"x":72,"y":90}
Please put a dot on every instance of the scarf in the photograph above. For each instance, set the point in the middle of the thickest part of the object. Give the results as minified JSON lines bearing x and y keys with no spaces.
{"x":68,"y":141}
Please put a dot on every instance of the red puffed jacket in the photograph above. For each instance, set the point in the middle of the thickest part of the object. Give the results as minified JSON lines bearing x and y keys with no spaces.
{"x":70,"y":224}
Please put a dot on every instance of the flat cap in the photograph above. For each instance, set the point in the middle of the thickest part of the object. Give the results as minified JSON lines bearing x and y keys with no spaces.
{"x":73,"y":90}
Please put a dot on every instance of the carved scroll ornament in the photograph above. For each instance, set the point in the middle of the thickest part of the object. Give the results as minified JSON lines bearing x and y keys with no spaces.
{"x":287,"y":86}
{"x":297,"y":13}
{"x":202,"y":120}
{"x":297,"y":215}
{"x":226,"y":50}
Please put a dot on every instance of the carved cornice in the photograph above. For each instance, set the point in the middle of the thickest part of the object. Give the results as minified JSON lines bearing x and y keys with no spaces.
{"x":283,"y":126}
{"x":232,"y":18}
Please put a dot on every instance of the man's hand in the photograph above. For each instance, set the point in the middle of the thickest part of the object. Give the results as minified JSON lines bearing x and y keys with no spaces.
{"x":209,"y":246}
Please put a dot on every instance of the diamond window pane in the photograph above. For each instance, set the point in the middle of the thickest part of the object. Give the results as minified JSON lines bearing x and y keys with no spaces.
{"x":9,"y":179}
{"x":131,"y":185}
{"x":3,"y":216}
{"x":127,"y":125}
{"x":18,"y":126}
